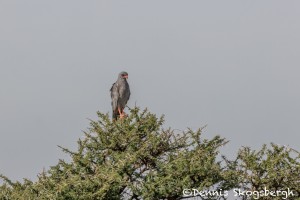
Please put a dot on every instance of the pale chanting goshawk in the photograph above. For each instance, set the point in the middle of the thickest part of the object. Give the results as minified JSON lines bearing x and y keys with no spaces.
{"x":120,"y":94}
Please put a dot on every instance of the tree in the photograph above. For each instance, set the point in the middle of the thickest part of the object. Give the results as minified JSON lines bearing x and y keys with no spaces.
{"x":136,"y":158}
{"x":275,"y":169}
{"x":132,"y":158}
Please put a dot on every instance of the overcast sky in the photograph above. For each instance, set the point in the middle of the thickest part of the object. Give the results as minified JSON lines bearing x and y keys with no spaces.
{"x":231,"y":65}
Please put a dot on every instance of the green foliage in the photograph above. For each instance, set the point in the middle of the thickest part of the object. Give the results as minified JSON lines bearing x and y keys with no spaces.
{"x":274,"y":169}
{"x":135,"y":158}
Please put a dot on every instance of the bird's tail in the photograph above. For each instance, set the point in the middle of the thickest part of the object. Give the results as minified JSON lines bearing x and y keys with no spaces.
{"x":114,"y":115}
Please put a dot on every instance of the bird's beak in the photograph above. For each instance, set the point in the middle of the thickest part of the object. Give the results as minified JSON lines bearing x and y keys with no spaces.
{"x":126,"y":76}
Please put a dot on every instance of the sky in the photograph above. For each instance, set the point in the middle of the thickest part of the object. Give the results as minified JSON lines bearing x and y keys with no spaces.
{"x":231,"y":65}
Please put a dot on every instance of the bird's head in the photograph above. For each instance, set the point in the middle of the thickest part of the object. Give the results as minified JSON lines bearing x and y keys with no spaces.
{"x":123,"y":75}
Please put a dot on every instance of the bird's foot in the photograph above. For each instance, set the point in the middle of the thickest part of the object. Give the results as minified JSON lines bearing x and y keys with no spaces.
{"x":122,"y":115}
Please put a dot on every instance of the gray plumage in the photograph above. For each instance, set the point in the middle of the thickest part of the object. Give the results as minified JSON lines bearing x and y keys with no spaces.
{"x":120,"y":94}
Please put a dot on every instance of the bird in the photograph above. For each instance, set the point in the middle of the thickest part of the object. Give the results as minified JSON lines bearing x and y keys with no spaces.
{"x":120,"y":93}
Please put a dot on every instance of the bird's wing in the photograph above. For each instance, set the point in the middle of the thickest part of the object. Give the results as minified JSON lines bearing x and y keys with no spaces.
{"x":114,"y":93}
{"x":128,"y":94}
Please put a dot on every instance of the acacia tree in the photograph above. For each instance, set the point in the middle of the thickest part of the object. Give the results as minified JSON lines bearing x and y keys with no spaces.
{"x":136,"y":158}
{"x":132,"y":158}
{"x":275,"y":169}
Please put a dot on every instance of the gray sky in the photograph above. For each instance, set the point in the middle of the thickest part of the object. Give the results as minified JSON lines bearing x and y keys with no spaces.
{"x":233,"y":65}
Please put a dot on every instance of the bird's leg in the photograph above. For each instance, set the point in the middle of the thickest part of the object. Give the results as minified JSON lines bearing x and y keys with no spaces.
{"x":122,"y":114}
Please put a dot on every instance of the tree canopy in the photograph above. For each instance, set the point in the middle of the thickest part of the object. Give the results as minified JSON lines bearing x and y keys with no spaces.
{"x":136,"y":158}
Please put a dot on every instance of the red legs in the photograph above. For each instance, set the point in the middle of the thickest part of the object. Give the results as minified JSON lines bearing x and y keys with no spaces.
{"x":122,"y":113}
